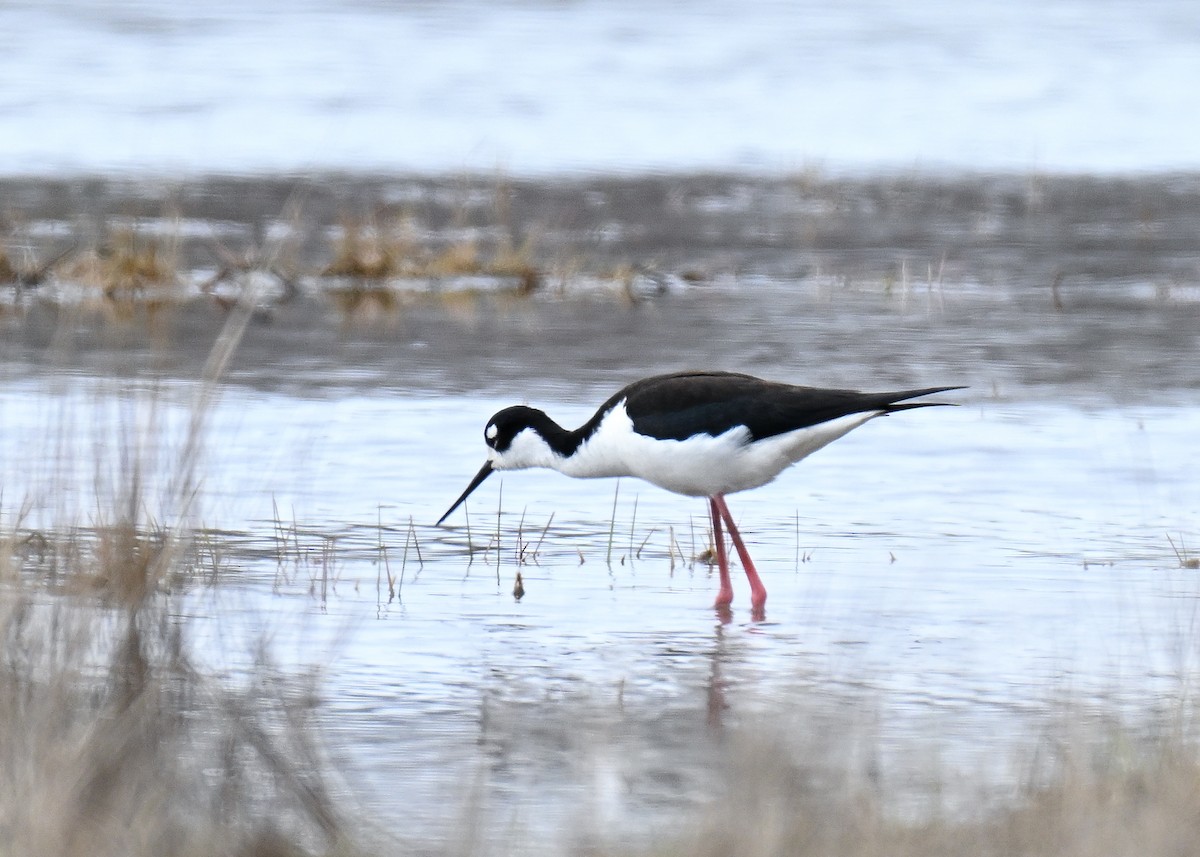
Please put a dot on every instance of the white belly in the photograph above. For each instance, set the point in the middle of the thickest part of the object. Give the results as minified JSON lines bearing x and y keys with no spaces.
{"x":701,"y":466}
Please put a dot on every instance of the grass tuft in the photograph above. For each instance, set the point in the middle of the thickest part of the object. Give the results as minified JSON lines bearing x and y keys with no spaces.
{"x":129,"y":265}
{"x":367,"y":251}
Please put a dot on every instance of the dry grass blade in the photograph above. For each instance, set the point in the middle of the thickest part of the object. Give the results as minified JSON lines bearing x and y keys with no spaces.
{"x":612,"y":523}
{"x":538,"y":547}
{"x":499,"y":507}
{"x":382,"y":559}
{"x":642,"y":546}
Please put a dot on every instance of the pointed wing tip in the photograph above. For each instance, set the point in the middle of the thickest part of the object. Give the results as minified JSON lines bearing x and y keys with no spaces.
{"x":933,"y":391}
{"x":903,"y":403}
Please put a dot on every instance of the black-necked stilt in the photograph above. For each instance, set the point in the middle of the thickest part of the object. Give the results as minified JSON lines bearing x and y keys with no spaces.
{"x":703,"y":434}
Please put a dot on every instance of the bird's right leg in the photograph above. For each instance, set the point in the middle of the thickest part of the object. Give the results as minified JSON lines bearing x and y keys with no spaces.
{"x":758,"y":592}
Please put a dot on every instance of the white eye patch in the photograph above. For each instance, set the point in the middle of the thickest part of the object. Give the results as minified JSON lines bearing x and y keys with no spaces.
{"x":490,"y":432}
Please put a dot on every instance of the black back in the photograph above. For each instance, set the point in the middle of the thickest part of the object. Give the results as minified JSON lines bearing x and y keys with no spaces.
{"x":684,"y":404}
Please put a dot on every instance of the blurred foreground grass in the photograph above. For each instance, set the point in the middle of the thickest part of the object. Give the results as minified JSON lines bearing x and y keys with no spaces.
{"x":112,"y":740}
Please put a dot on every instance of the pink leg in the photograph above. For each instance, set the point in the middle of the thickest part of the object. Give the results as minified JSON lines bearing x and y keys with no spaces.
{"x":758,"y":592}
{"x":725,"y":593}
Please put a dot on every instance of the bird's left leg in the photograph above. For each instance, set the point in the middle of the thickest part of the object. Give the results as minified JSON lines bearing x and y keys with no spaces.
{"x":725,"y":593}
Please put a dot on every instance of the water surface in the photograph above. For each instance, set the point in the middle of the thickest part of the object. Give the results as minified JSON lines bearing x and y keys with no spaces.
{"x":535,"y":87}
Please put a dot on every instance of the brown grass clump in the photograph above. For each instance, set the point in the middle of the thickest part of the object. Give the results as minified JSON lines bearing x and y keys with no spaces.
{"x":367,"y":251}
{"x":136,"y":276}
{"x":130,"y":265}
{"x":363,"y":250}
{"x":512,"y":261}
{"x":457,"y":260}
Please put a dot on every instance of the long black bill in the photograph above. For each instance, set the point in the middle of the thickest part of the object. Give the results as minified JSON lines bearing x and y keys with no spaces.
{"x":484,"y":473}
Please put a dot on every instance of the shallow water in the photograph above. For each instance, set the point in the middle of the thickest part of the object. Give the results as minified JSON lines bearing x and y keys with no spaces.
{"x":944,"y":574}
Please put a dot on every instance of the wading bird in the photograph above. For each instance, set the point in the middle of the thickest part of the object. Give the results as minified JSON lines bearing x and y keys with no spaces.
{"x":703,"y":434}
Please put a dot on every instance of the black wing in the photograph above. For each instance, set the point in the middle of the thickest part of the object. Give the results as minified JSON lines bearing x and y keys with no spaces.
{"x":679,"y":406}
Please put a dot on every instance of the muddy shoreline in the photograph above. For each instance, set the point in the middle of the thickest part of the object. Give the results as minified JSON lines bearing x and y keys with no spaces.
{"x":1075,"y":225}
{"x":1019,"y":285}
